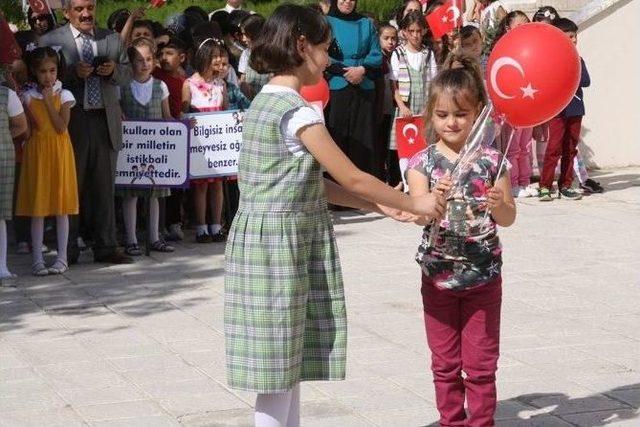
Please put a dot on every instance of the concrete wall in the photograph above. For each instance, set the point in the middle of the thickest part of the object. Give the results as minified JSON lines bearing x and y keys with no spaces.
{"x":608,"y":44}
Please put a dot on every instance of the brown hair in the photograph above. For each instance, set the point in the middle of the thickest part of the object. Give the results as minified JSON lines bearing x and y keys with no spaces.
{"x":140,"y":42}
{"x":461,"y":79}
{"x":276,"y":49}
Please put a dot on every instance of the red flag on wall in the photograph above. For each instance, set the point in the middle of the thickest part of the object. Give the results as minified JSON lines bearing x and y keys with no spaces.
{"x":10,"y":50}
{"x":445,"y":18}
{"x":39,"y":7}
{"x":410,"y":136}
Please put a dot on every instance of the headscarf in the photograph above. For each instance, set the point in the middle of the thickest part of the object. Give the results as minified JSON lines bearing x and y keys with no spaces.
{"x":335,"y":12}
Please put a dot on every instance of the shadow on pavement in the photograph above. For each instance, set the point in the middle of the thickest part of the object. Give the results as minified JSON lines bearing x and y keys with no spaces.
{"x":92,"y":291}
{"x":557,"y":409}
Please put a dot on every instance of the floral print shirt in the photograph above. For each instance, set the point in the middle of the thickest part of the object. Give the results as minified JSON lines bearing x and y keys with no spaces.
{"x":467,"y":251}
{"x":206,"y":95}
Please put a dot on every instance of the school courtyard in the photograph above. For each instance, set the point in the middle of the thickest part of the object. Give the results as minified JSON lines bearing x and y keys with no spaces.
{"x":142,"y":344}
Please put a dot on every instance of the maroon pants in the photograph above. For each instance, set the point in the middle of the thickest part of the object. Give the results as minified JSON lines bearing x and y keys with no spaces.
{"x":564,"y":135}
{"x":463,"y":332}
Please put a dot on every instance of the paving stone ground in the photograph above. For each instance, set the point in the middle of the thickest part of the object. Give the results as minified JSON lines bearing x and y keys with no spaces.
{"x":142,"y":345}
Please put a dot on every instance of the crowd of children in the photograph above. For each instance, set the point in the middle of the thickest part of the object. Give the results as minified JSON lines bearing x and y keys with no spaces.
{"x":279,"y":333}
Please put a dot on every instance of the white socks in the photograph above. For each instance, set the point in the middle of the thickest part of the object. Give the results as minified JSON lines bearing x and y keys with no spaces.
{"x":62,"y":234}
{"x":4,"y":270}
{"x":278,"y":409}
{"x":129,"y":209}
{"x":154,"y":220}
{"x":215,"y":228}
{"x":202,"y":229}
{"x":37,"y":236}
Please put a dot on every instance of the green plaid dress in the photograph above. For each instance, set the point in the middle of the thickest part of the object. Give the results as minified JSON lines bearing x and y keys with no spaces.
{"x":285,"y":316}
{"x":417,"y":96}
{"x":7,"y":158}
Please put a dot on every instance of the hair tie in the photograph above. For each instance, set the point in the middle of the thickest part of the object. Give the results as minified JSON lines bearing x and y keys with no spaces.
{"x":30,"y":47}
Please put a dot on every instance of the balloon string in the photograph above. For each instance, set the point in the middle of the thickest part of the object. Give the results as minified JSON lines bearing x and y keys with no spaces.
{"x":502,"y":164}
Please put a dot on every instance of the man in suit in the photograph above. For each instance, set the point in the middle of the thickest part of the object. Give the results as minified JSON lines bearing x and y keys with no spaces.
{"x":96,"y":66}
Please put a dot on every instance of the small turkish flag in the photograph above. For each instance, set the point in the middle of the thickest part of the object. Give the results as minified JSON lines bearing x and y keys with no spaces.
{"x":158,"y":3}
{"x":410,"y":136}
{"x":445,"y":18}
{"x":39,"y":7}
{"x":10,"y":51}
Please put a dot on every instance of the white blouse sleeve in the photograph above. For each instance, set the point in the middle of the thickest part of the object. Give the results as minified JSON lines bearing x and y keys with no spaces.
{"x":243,"y":61}
{"x":291,"y":124}
{"x":165,"y":90}
{"x":67,"y":96}
{"x":394,"y":66}
{"x":14,"y":106}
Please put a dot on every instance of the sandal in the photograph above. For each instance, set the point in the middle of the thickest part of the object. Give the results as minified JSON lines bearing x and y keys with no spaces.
{"x":132,"y":249}
{"x":39,"y":269}
{"x":161,"y":246}
{"x":58,"y":267}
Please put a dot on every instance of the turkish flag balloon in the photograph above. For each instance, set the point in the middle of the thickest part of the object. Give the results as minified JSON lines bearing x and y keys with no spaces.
{"x":532,"y":74}
{"x":316,"y":92}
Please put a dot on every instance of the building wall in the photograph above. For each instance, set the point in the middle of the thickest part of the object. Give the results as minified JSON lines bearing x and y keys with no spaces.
{"x":608,"y":44}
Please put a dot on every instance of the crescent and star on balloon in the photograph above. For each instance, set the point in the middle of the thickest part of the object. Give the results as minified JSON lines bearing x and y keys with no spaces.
{"x":528,"y":91}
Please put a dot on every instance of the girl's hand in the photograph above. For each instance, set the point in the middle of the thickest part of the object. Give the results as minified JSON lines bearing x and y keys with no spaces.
{"x":47,"y":94}
{"x":443,"y":186}
{"x":397,"y":214}
{"x":405,"y":111}
{"x":138,"y":13}
{"x":192,"y":122}
{"x":495,"y":198}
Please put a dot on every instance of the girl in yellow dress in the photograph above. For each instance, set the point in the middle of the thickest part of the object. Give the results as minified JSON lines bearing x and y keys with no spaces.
{"x":48,"y":185}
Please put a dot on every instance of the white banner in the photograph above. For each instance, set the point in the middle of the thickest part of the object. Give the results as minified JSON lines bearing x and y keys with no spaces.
{"x":215,"y":144}
{"x":154,"y":153}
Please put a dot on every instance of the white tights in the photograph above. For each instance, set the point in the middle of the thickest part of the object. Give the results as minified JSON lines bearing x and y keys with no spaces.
{"x":4,"y":270}
{"x":278,"y":409}
{"x":37,"y":236}
{"x":129,"y":209}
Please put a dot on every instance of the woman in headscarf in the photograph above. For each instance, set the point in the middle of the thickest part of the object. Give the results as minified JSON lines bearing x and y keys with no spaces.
{"x":356,"y":61}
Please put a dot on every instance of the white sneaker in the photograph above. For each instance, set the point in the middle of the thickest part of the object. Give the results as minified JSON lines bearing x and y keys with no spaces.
{"x":522,"y":193}
{"x":515,"y":191}
{"x":533,"y":191}
{"x":45,"y":249}
{"x":23,"y":248}
{"x":175,"y":232}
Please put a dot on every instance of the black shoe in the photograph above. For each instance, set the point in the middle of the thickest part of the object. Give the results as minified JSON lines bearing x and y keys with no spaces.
{"x":203,"y":238}
{"x":219,"y":237}
{"x":592,"y":186}
{"x":114,"y":258}
{"x":569,"y":193}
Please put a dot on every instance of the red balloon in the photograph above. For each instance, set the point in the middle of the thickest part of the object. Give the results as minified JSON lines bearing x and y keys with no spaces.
{"x":532,"y":74}
{"x":316,"y":92}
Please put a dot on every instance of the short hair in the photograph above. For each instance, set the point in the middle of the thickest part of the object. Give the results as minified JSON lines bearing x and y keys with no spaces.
{"x":276,"y":49}
{"x":223,"y":19}
{"x":387,"y":26}
{"x":252,"y":26}
{"x":468,"y":31}
{"x":143,"y":23}
{"x":67,"y":4}
{"x":118,"y":19}
{"x":566,"y":25}
{"x":35,"y":57}
{"x":413,"y":17}
{"x":173,"y":43}
{"x":140,"y":42}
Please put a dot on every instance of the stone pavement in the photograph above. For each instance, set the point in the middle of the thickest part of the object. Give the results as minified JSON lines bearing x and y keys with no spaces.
{"x":142,"y":345}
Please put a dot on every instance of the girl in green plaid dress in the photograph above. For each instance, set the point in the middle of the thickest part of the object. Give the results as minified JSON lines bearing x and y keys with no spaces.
{"x":13,"y":123}
{"x":285,"y":316}
{"x":413,"y":66}
{"x":143,"y":98}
